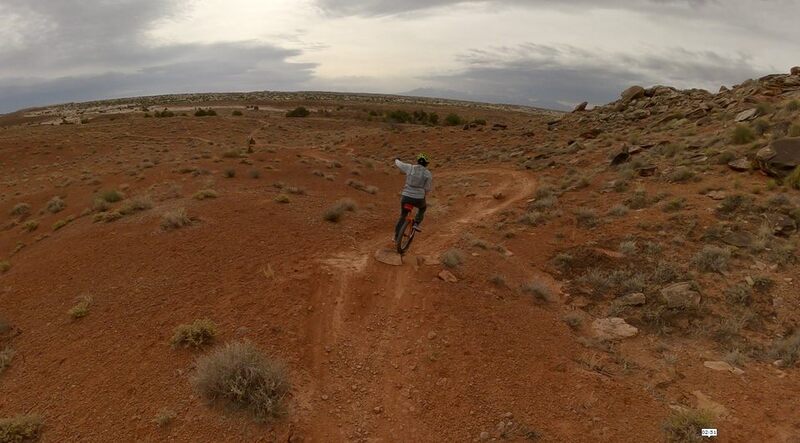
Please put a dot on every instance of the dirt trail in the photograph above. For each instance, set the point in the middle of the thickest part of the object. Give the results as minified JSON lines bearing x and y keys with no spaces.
{"x":361,"y":292}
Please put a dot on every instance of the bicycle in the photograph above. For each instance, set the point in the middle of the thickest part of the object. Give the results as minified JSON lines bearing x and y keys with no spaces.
{"x":407,"y":231}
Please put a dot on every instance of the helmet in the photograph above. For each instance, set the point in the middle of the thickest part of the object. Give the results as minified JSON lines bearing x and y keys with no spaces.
{"x":422,"y":158}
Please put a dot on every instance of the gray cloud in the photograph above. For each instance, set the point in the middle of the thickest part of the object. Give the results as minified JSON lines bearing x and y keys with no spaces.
{"x":71,"y":50}
{"x":557,"y":77}
{"x":393,"y":7}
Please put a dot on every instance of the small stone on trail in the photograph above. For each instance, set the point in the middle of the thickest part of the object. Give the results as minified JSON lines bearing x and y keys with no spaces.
{"x":717,"y":195}
{"x":448,"y":276}
{"x":723,"y":366}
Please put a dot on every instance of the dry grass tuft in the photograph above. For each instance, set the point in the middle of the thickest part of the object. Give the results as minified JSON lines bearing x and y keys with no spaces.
{"x":685,"y":426}
{"x":20,"y":428}
{"x":81,"y":309}
{"x":787,"y":350}
{"x":712,"y":259}
{"x":282,"y":198}
{"x":195,"y":335}
{"x":452,"y":258}
{"x":175,"y":219}
{"x":6,"y":355}
{"x":204,"y":194}
{"x":56,"y":204}
{"x":335,"y":212}
{"x":240,"y":375}
{"x":540,"y":291}
{"x":21,"y":209}
{"x":5,"y":265}
{"x":164,"y":417}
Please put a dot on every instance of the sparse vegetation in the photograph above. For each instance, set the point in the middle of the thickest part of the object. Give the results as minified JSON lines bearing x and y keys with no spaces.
{"x":195,"y":335}
{"x":299,"y":111}
{"x":452,"y":258}
{"x":236,"y":113}
{"x":200,"y":112}
{"x":5,"y":265}
{"x":205,"y":194}
{"x":573,"y":319}
{"x":230,"y":173}
{"x":21,"y":209}
{"x":164,"y":417}
{"x":175,"y":219}
{"x":685,"y":425}
{"x":136,"y":204}
{"x":30,"y":225}
{"x":712,"y":259}
{"x":335,"y":212}
{"x":787,"y":350}
{"x":81,"y":308}
{"x":540,"y":291}
{"x":56,"y":204}
{"x":282,"y":198}
{"x":240,"y":375}
{"x":742,"y":134}
{"x":586,"y":217}
{"x":453,"y":119}
{"x":6,"y":355}
{"x":20,"y":428}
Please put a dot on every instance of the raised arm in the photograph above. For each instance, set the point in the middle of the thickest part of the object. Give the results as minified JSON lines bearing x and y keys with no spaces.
{"x":405,"y":167}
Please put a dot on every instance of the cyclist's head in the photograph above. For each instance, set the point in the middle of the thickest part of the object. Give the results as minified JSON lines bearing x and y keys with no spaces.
{"x":422,"y":158}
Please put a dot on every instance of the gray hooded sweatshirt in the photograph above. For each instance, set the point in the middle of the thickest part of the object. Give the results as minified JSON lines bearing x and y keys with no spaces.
{"x":418,"y":179}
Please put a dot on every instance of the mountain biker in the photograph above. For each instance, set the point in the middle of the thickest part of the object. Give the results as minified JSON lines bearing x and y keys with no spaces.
{"x":418,"y":184}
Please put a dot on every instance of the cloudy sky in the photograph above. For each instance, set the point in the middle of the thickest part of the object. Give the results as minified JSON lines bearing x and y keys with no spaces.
{"x":547,"y":53}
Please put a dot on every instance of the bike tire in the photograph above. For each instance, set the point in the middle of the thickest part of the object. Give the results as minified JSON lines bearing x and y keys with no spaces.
{"x":403,"y":241}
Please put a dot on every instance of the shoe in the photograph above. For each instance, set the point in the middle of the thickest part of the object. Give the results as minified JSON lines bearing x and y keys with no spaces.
{"x":416,"y":227}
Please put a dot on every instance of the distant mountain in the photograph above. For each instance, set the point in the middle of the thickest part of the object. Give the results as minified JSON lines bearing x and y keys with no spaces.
{"x":484,"y":98}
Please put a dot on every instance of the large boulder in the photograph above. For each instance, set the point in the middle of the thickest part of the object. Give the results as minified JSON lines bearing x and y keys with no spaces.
{"x":581,"y":107}
{"x":632,"y":93}
{"x":795,"y":70}
{"x":780,"y":158}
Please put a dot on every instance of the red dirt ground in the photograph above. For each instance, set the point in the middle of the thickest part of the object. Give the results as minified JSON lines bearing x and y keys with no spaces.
{"x":375,"y":353}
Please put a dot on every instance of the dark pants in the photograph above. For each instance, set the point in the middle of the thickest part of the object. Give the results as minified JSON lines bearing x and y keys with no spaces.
{"x":419,"y":203}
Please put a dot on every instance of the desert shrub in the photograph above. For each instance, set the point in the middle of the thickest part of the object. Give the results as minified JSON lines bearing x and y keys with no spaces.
{"x":107,"y":217}
{"x":6,"y":355}
{"x":236,"y":113}
{"x":282,"y":198}
{"x":452,"y":258}
{"x":200,"y":332}
{"x":498,"y":280}
{"x":540,"y":291}
{"x":793,"y":179}
{"x":4,"y":266}
{"x":299,"y":111}
{"x":399,"y":116}
{"x":738,"y":294}
{"x":111,"y":196}
{"x":230,"y":173}
{"x":793,"y":105}
{"x":586,"y":217}
{"x":628,"y":247}
{"x":676,"y":204}
{"x":794,"y":130}
{"x":681,"y":174}
{"x":787,"y":349}
{"x":665,"y":272}
{"x":20,"y":428}
{"x":163,"y":114}
{"x":638,"y":199}
{"x":21,"y":209}
{"x":573,"y":319}
{"x":453,"y":119}
{"x":240,"y":375}
{"x":81,"y":308}
{"x":100,"y":205}
{"x":732,"y":203}
{"x":60,"y":224}
{"x":254,"y":174}
{"x":175,"y":219}
{"x":137,"y":204}
{"x":760,"y":126}
{"x":335,"y":212}
{"x":56,"y":204}
{"x":30,"y":225}
{"x":712,"y":259}
{"x":533,"y":218}
{"x":685,"y":425}
{"x":563,"y":261}
{"x":742,"y":134}
{"x":618,"y":210}
{"x":200,"y":112}
{"x":204,"y":194}
{"x":164,"y":417}
{"x":725,"y":157}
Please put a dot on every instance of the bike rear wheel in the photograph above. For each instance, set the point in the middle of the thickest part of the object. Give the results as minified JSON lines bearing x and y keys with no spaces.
{"x":403,"y":241}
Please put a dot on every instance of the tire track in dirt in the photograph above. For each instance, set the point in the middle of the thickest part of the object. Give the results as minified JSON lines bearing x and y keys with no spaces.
{"x":389,"y":299}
